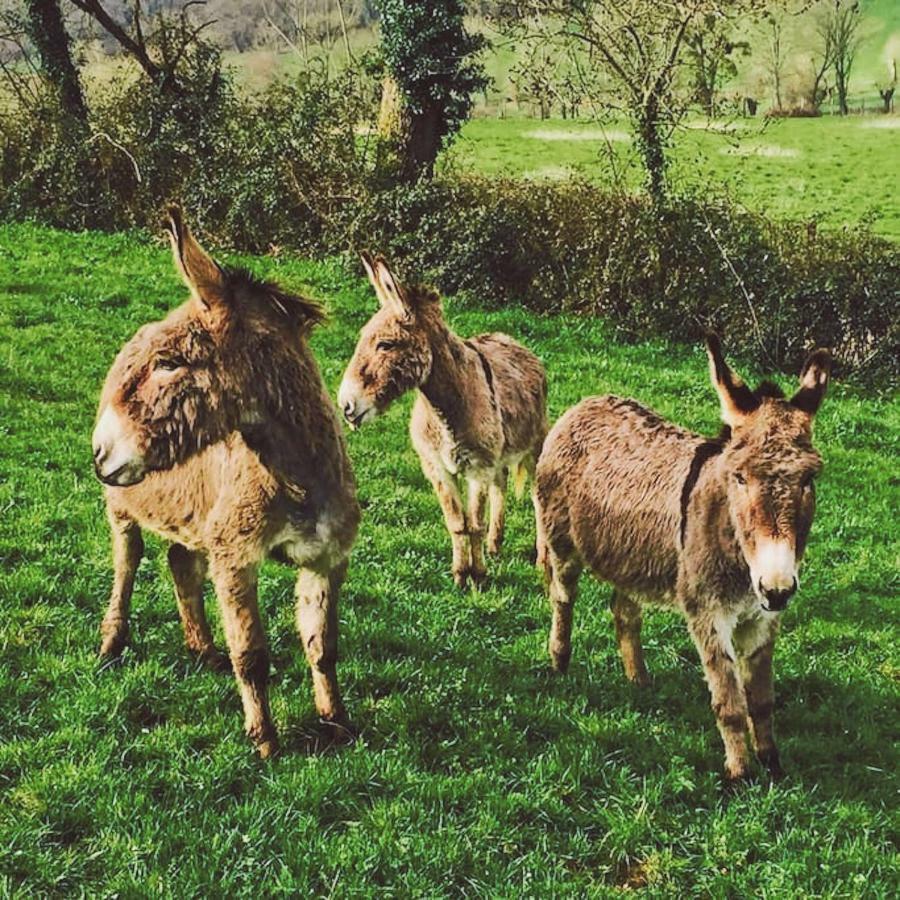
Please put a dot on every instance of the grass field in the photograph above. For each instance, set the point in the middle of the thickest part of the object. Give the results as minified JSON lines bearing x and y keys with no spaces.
{"x":476,"y":772}
{"x":838,"y":171}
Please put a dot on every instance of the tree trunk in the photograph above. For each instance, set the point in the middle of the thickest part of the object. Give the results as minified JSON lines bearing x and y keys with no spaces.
{"x":48,"y":33}
{"x":416,"y":137}
{"x":653,"y":153}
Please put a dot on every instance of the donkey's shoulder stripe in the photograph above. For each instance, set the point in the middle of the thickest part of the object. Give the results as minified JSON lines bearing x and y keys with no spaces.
{"x":705,"y":451}
{"x":488,"y":374}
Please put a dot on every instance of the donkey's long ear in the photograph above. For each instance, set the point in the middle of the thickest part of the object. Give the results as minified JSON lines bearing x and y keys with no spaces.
{"x":390,"y":290}
{"x":201,"y":273}
{"x":736,"y":399}
{"x":813,"y":382}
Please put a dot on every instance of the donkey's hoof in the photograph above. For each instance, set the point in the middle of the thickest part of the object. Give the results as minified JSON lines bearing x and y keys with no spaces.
{"x":734,"y":779}
{"x":493,"y":549}
{"x":267,"y":748}
{"x":215,"y":660}
{"x":478,"y":580}
{"x":461,"y":578}
{"x":559,"y":661}
{"x":113,"y":642}
{"x":772,"y":762}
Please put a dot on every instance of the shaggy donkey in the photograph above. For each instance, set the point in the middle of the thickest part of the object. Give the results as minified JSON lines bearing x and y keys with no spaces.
{"x":215,"y":431}
{"x":480,"y":411}
{"x":715,"y":529}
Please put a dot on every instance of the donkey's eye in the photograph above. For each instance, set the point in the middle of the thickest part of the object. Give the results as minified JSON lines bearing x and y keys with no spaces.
{"x":739,"y":478}
{"x":168,"y":364}
{"x":807,"y":483}
{"x":386,"y":345}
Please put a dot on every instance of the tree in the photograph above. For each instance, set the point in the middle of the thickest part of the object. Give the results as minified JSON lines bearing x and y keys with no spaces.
{"x":640,"y":46}
{"x":434,"y":62}
{"x":821,"y":60}
{"x":841,"y":26}
{"x":161,"y":53}
{"x":712,"y":50}
{"x":47,"y":32}
{"x":776,"y":56}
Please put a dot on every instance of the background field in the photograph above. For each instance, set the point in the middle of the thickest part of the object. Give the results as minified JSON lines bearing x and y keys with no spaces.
{"x":476,"y":772}
{"x":832,"y":170}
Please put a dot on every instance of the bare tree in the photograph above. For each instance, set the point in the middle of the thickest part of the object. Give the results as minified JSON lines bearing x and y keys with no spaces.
{"x":161,"y":62}
{"x":640,"y":46}
{"x":841,"y":25}
{"x":886,"y":90}
{"x":776,"y":56}
{"x":821,"y":58}
{"x":712,"y":50}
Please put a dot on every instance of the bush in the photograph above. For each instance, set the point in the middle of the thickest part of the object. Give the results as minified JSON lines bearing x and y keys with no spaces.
{"x":774,"y":289}
{"x":290,"y":168}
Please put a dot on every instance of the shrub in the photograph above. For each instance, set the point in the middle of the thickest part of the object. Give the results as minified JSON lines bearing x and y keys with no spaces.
{"x":289,"y":168}
{"x":774,"y":289}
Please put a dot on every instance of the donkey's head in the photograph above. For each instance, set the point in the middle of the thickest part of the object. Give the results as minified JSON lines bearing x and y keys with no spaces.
{"x":393,"y":354}
{"x":770,"y":464}
{"x":201,"y":373}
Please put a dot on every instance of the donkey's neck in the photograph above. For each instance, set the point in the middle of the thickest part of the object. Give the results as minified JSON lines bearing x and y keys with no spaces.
{"x":295,"y":431}
{"x":448,"y":383}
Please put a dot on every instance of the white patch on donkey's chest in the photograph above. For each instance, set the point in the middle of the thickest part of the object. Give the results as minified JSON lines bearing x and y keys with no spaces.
{"x":309,"y":542}
{"x":745,"y":629}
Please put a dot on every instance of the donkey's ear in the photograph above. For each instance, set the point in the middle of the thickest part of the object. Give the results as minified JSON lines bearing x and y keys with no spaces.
{"x":390,"y":290}
{"x":736,"y":399}
{"x":368,"y":262}
{"x":201,"y":273}
{"x":813,"y":382}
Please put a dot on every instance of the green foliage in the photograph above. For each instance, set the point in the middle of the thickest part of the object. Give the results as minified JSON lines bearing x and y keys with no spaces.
{"x":476,"y":772}
{"x":433,"y":58}
{"x":774,"y":290}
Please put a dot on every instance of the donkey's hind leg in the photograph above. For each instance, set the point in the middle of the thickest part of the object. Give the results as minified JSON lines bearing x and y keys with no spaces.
{"x":497,"y":525}
{"x":563,"y":574}
{"x":127,"y":548}
{"x":189,"y":572}
{"x":627,"y":616}
{"x":478,"y":495}
{"x":317,"y":623}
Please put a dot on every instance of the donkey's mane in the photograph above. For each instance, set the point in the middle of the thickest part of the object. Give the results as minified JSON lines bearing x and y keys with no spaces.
{"x":300,"y":311}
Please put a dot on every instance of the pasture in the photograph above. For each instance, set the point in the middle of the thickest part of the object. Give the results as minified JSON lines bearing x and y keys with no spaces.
{"x":476,"y":772}
{"x":836,"y":171}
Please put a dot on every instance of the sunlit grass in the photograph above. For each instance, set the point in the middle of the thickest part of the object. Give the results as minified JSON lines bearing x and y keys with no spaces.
{"x":476,"y":772}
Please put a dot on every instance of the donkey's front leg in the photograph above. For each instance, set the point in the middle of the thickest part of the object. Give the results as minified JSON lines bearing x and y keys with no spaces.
{"x":127,"y":548}
{"x":236,"y":590}
{"x":726,"y":691}
{"x":188,"y":568}
{"x":454,"y":517}
{"x":756,"y":671}
{"x":478,"y":494}
{"x":317,"y":622}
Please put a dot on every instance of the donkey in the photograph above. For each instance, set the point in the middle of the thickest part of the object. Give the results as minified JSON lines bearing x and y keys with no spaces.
{"x":713,"y":528}
{"x":480,"y":410}
{"x":215,"y":431}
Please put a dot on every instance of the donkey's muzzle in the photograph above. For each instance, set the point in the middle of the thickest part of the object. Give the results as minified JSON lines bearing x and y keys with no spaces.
{"x":776,"y":599}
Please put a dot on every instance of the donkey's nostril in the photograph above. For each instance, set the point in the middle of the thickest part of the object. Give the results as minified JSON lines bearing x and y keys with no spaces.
{"x":100,"y":454}
{"x":348,"y":408}
{"x":777,"y":598}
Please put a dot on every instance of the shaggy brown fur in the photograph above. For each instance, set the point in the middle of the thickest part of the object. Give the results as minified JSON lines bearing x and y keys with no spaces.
{"x":215,"y":431}
{"x":480,"y":411}
{"x":712,"y":528}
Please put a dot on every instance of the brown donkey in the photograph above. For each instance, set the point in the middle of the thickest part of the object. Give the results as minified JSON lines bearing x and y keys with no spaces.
{"x":480,"y":411}
{"x":216,"y":432}
{"x":715,"y":529}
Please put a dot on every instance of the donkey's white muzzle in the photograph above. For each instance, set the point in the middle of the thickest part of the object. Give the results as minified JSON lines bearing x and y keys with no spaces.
{"x":773,"y":573}
{"x":117,"y":461}
{"x":355,"y":408}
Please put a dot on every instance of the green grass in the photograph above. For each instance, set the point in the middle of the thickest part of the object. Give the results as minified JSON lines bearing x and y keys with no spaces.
{"x":838,"y":171}
{"x":476,"y":772}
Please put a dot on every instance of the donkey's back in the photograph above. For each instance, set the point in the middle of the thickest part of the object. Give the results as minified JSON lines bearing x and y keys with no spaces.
{"x":609,"y":481}
{"x":519,"y":385}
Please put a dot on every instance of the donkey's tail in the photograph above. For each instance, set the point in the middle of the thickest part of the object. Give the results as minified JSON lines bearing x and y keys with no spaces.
{"x":520,"y":479}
